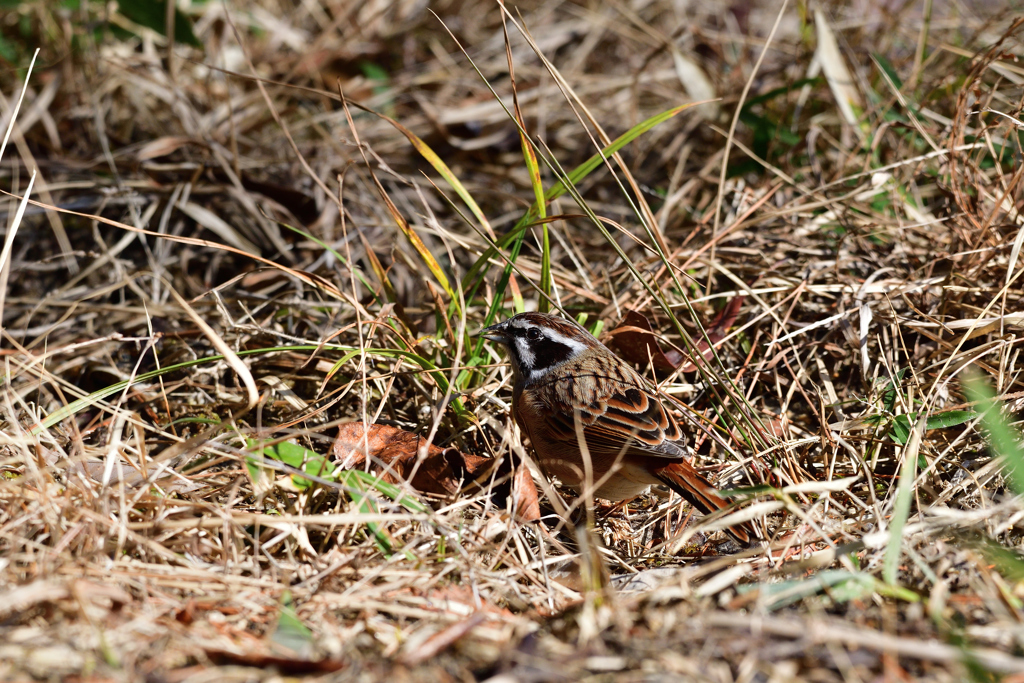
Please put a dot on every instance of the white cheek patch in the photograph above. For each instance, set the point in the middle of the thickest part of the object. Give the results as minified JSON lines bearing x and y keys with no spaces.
{"x":534,"y":375}
{"x":526,"y":355}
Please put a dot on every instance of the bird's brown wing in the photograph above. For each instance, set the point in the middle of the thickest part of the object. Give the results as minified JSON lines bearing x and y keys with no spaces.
{"x":623,"y":418}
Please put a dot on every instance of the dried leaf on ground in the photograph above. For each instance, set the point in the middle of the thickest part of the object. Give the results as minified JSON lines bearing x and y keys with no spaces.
{"x":717,"y":330}
{"x":430,"y":469}
{"x":637,"y":342}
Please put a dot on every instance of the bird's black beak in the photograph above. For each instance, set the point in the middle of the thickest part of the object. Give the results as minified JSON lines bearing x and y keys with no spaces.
{"x":496,"y":333}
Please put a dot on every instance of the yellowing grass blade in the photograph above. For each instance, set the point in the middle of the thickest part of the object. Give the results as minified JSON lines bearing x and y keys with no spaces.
{"x":403,"y":225}
{"x":533,"y":168}
{"x":416,"y":242}
{"x":442,"y":168}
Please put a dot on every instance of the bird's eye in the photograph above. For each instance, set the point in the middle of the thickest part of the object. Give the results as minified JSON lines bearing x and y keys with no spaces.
{"x":533,"y":333}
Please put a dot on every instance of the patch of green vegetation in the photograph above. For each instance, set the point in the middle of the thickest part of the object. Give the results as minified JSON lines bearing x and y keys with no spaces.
{"x":153,"y":15}
{"x":897,"y":427}
{"x":309,"y":467}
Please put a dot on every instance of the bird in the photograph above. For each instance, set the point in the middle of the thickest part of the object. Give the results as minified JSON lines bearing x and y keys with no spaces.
{"x":567,"y":385}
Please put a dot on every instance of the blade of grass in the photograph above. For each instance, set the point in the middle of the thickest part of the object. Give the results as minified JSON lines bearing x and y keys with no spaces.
{"x":416,"y":242}
{"x":366,"y":505}
{"x":290,"y":631}
{"x":95,"y":397}
{"x":19,"y":215}
{"x":334,"y":252}
{"x":17,"y":106}
{"x":533,"y":169}
{"x":901,"y":507}
{"x":1004,"y":439}
{"x":293,"y":455}
{"x":357,"y":484}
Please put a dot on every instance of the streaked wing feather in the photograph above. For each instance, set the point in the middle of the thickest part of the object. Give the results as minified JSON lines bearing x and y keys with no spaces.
{"x":629,"y":421}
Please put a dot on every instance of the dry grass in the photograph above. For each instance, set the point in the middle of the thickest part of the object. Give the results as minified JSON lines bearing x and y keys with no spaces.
{"x":868,"y":212}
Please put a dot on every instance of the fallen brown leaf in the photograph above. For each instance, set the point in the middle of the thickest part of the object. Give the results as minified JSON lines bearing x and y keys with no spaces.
{"x":446,"y":472}
{"x":524,"y":493}
{"x":636,"y":341}
{"x":717,"y":330}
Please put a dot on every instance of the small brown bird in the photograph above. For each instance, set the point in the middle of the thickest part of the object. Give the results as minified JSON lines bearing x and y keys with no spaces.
{"x":568,"y":383}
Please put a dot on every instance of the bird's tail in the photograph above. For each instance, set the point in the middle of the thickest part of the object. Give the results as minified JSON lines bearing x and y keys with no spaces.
{"x":682,"y":478}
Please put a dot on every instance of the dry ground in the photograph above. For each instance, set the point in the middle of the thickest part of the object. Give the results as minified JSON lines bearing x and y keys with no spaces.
{"x":241,"y":259}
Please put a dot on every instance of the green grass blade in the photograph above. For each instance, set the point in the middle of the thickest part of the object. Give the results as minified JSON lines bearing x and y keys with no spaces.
{"x":290,"y":631}
{"x":588,"y":166}
{"x":952,"y":418}
{"x":392,"y":491}
{"x":901,"y":507}
{"x":545,"y":270}
{"x":95,"y":397}
{"x":323,"y":245}
{"x":899,"y":431}
{"x":1004,"y":439}
{"x":293,"y":455}
{"x":533,"y":169}
{"x":366,"y":505}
